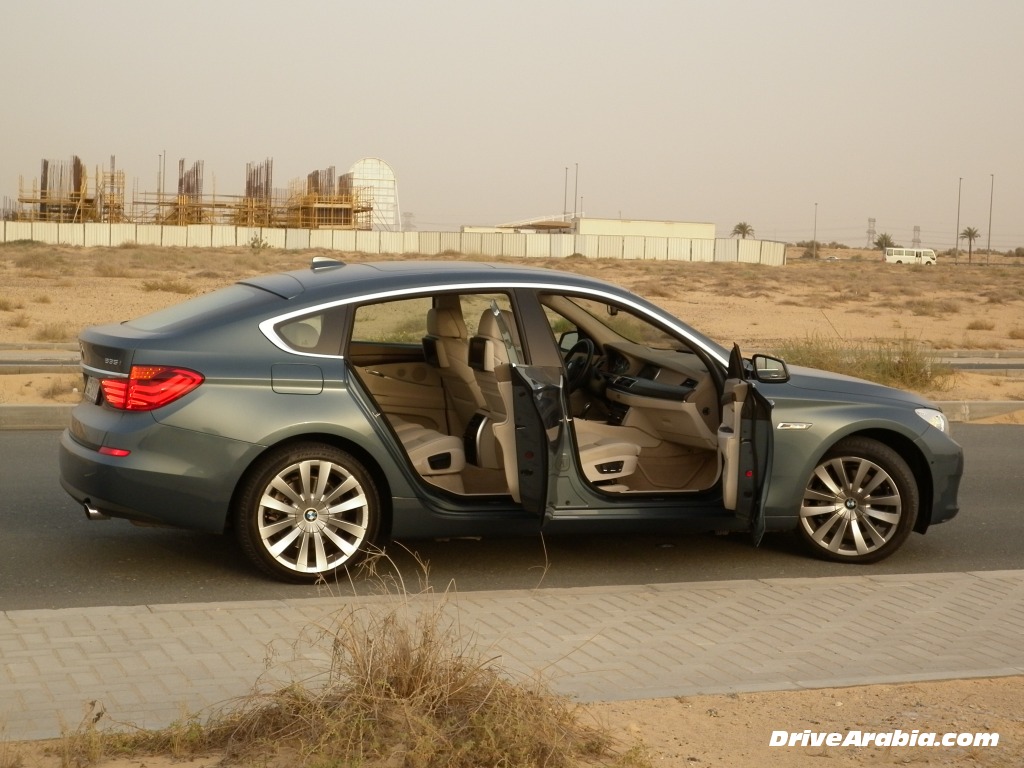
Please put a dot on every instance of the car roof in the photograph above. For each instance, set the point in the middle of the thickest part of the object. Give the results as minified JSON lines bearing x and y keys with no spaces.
{"x":331,"y":277}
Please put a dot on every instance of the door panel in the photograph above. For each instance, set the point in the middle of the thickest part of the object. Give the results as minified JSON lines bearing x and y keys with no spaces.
{"x":539,"y":414}
{"x":400,"y":381}
{"x":744,"y":445}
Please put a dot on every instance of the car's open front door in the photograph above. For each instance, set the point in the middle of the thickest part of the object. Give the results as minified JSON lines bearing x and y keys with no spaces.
{"x":744,"y":442}
{"x":537,"y":398}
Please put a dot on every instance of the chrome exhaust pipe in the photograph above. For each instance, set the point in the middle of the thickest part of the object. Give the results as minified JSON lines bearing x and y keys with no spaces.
{"x":92,"y":513}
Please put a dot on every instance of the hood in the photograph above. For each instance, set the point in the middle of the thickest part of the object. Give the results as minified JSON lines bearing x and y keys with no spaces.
{"x":826,"y":381}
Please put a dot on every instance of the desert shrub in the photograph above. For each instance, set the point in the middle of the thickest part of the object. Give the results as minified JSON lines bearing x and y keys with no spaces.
{"x":398,"y":686}
{"x":12,"y":244}
{"x":899,"y":363}
{"x":9,"y":305}
{"x":111,"y":269}
{"x":257,"y":243}
{"x":980,"y":325}
{"x":663,"y":289}
{"x":1017,"y":334}
{"x":54,"y":332}
{"x":61,"y":385}
{"x":170,"y":286}
{"x":38,"y":262}
{"x":933,"y":307}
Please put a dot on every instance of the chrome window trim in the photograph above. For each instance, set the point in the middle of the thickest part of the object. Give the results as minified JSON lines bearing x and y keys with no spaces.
{"x":267,"y":326}
{"x":99,"y":373}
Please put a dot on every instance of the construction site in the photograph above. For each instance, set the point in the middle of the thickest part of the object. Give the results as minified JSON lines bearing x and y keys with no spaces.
{"x":365,"y":198}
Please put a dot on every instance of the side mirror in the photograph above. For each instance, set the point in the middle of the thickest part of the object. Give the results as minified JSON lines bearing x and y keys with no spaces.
{"x":768,"y":369}
{"x":568,"y":340}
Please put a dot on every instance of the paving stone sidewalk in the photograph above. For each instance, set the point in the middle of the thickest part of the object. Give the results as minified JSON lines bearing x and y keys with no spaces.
{"x":150,"y":664}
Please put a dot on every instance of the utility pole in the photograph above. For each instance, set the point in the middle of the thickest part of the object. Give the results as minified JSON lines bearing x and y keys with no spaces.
{"x":576,"y":191}
{"x":565,"y":195}
{"x":956,"y":240}
{"x":814,"y":240}
{"x":991,"y":194}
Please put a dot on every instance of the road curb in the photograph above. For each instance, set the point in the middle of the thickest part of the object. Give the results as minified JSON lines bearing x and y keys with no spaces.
{"x":35,"y":416}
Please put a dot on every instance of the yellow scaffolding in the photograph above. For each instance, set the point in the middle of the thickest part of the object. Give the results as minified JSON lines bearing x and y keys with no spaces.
{"x":320,"y":201}
{"x":62,"y":195}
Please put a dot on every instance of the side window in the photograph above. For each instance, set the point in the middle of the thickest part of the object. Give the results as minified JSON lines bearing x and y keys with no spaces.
{"x":318,"y":333}
{"x":404,"y":321}
{"x":474,"y":305}
{"x":392,"y":322}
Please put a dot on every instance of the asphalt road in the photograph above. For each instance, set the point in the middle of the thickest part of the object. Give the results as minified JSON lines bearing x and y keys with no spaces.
{"x":52,"y":557}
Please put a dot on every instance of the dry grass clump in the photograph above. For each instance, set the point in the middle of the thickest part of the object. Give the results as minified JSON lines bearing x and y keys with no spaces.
{"x":901,"y":363}
{"x":55,"y":332}
{"x":933,"y":307}
{"x":58,"y":386}
{"x":112,"y":269}
{"x":167,"y":285}
{"x":980,"y":325}
{"x":37,"y":263}
{"x":660,"y":289}
{"x":398,"y":688}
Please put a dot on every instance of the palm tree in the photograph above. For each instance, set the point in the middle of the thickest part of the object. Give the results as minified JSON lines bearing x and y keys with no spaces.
{"x":743,"y":230}
{"x":970,"y":234}
{"x":884,"y":241}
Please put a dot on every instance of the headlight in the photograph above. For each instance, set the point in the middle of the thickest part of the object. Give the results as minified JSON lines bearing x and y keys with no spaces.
{"x":934,"y":417}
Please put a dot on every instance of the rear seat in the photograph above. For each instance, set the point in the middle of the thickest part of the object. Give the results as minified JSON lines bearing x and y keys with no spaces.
{"x":431,"y":452}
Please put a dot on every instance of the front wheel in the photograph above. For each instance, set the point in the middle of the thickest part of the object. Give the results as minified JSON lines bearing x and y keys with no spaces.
{"x":306,"y":511}
{"x":860,"y":503}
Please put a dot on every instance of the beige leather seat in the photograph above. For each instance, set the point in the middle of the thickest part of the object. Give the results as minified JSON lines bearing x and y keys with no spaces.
{"x":489,"y":356}
{"x":446,"y":348}
{"x":430,"y":451}
{"x":604,"y":458}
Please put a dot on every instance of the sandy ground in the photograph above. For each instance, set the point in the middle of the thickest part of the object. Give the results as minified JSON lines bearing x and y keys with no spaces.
{"x":735,"y":731}
{"x":47,"y":294}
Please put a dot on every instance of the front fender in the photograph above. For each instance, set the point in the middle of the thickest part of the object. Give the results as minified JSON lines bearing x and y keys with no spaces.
{"x":798,"y":449}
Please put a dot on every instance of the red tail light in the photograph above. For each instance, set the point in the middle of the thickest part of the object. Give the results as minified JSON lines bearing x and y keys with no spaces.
{"x":149,"y":387}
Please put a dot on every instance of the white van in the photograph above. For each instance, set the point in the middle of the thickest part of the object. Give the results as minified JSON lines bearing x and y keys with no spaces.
{"x":909,"y":256}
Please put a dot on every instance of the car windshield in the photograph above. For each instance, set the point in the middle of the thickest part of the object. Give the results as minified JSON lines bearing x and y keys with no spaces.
{"x":626,"y":324}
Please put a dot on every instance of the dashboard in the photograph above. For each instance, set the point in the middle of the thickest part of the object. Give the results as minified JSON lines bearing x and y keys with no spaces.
{"x":652,"y":373}
{"x":666,"y":393}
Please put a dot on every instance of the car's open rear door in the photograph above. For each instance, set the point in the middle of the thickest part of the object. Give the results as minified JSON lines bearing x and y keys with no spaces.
{"x":744,"y":442}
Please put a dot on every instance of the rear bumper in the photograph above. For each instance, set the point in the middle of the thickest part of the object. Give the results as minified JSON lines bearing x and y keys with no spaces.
{"x":171,"y":477}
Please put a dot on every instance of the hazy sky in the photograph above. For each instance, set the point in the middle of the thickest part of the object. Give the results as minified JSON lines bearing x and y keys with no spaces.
{"x":720,"y":111}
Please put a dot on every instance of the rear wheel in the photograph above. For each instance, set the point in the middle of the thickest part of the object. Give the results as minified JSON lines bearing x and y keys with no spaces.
{"x":860,"y":503}
{"x":306,"y":511}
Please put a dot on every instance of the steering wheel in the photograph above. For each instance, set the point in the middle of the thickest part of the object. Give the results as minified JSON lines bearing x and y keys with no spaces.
{"x":578,"y":361}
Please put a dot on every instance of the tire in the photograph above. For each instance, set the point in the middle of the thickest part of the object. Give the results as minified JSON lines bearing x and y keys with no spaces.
{"x":859,"y":504}
{"x":306,"y":511}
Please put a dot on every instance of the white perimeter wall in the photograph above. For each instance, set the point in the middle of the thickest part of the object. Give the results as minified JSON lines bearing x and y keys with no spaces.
{"x":543,"y":246}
